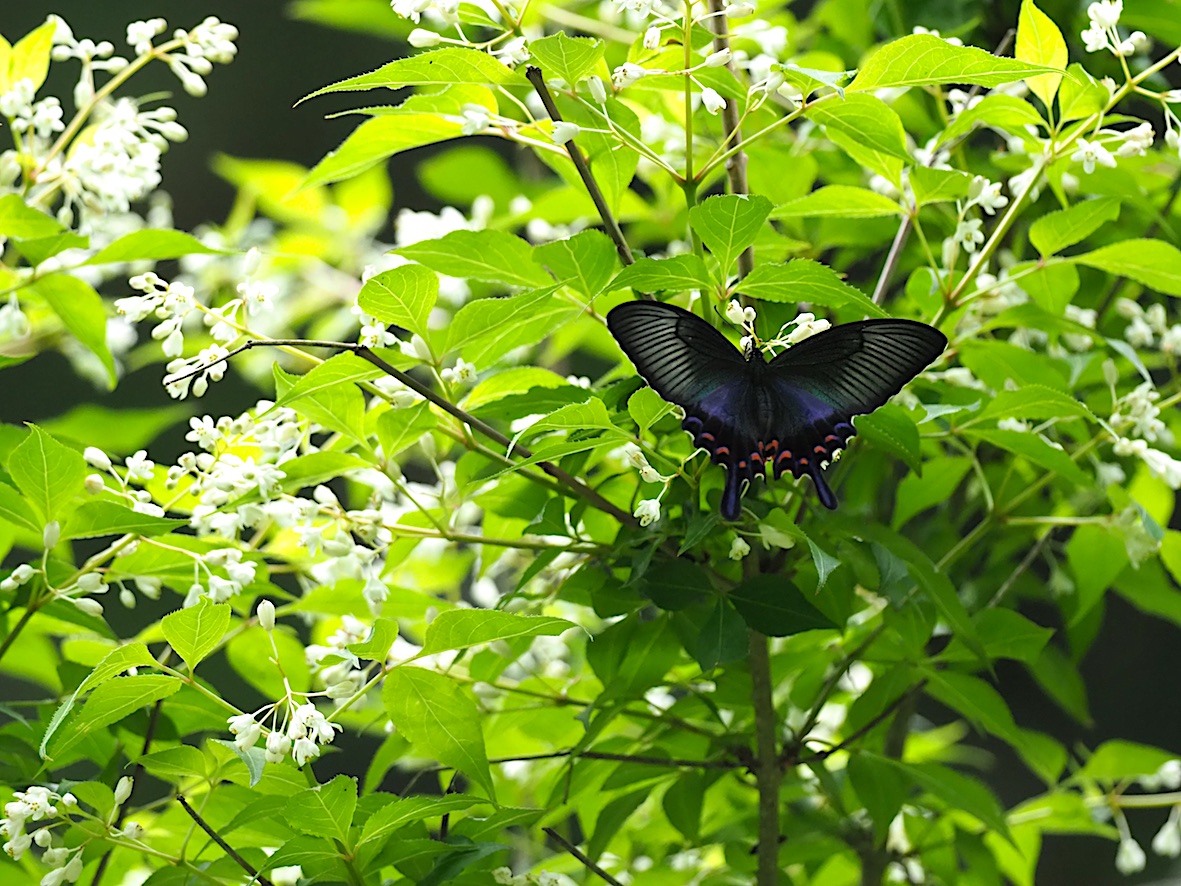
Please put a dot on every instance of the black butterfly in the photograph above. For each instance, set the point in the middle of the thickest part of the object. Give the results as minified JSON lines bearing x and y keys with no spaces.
{"x":794,"y":411}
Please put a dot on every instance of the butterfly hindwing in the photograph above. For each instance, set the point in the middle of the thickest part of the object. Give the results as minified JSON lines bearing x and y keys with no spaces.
{"x":792,"y":413}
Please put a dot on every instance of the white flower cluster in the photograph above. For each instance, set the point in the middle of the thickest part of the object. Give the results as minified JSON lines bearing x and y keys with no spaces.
{"x":303,"y":734}
{"x":1133,"y":142}
{"x":1149,"y":327}
{"x":38,"y":803}
{"x":504,"y":877}
{"x":1103,"y":33}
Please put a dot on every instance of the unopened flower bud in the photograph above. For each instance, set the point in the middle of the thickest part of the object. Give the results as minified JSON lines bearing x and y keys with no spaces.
{"x":51,"y":534}
{"x":719,"y":59}
{"x":266,"y":615}
{"x":123,"y":790}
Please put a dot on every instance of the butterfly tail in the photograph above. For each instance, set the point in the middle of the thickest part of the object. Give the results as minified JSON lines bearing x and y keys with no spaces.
{"x":828,"y":498}
{"x":732,"y":495}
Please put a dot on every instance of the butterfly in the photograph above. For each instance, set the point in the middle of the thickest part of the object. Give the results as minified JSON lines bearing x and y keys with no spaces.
{"x":793,"y":412}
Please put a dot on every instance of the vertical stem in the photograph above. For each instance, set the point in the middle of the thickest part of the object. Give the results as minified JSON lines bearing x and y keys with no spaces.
{"x":687,"y":42}
{"x":736,"y":163}
{"x":767,"y":774}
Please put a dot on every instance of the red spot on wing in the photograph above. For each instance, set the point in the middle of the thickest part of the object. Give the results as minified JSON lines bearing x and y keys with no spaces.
{"x":722,"y":450}
{"x":707,"y":436}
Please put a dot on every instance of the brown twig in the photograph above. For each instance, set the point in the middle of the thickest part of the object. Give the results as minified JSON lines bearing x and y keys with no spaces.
{"x":577,"y":853}
{"x":536,"y":77}
{"x":768,"y":772}
{"x":226,"y":847}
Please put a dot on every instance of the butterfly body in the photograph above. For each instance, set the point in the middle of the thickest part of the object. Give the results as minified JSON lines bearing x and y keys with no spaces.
{"x":793,"y":412}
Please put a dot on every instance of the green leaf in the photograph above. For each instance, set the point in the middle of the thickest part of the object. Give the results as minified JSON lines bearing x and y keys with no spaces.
{"x":675,"y":584}
{"x":584,"y":262}
{"x":881,"y":788}
{"x":676,"y":274}
{"x":938,"y":185}
{"x":399,"y":429}
{"x":30,"y":56}
{"x":1054,"y":231}
{"x":977,"y":701}
{"x":407,"y":810}
{"x":15,"y":510}
{"x":868,"y":130}
{"x":569,"y":58}
{"x":723,"y":638}
{"x":646,"y":407}
{"x":729,"y":223}
{"x":1039,"y":41}
{"x":1060,"y":680}
{"x":838,"y":201}
{"x":175,"y":765}
{"x":1081,"y":95}
{"x":326,"y":810}
{"x":463,"y":628}
{"x":958,"y":791}
{"x":891,"y":428}
{"x":39,"y":249}
{"x":448,"y":65}
{"x":591,"y":415}
{"x":1096,"y":556}
{"x":82,"y":311}
{"x":995,"y":362}
{"x":941,"y":477}
{"x":488,"y":255}
{"x":633,"y":655}
{"x":196,"y":631}
{"x":773,"y":605}
{"x":1154,"y":263}
{"x":1035,"y":402}
{"x":402,"y":296}
{"x":49,"y":474}
{"x":94,"y":519}
{"x":486,"y":329}
{"x":937,"y":585}
{"x":152,"y":245}
{"x":338,"y":407}
{"x":133,"y":655}
{"x":1119,"y":760}
{"x":1005,"y":112}
{"x":1051,"y":285}
{"x":109,"y":703}
{"x":804,"y":280}
{"x":927,"y":60}
{"x":1005,"y":634}
{"x":376,"y":647}
{"x":18,"y":219}
{"x":1034,"y":448}
{"x":440,"y":719}
{"x":339,"y":370}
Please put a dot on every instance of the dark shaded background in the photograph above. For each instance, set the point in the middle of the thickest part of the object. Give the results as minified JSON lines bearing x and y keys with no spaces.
{"x":250,"y":112}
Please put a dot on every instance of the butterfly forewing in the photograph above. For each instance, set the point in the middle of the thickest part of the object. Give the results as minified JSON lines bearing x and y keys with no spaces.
{"x":681,"y":356}
{"x":793,"y":413}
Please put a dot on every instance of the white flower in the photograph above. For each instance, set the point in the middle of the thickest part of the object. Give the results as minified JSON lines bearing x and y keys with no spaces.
{"x":647,"y":511}
{"x":740,"y":316}
{"x":140,"y":469}
{"x":13,"y":322}
{"x":627,"y":74}
{"x":739,"y":548}
{"x":1167,"y":841}
{"x":1089,"y":153}
{"x":712,"y":100}
{"x":652,"y":38}
{"x":123,"y":790}
{"x":96,"y":458}
{"x":1129,"y":858}
{"x":141,"y":34}
{"x":564,"y":131}
{"x":741,"y":9}
{"x":968,"y":234}
{"x":597,"y":90}
{"x":421,"y":38}
{"x":719,"y":59}
{"x":515,"y":52}
{"x":1095,"y":39}
{"x":1135,"y":42}
{"x":1105,"y":13}
{"x":475,"y":118}
{"x":987,"y":195}
{"x":461,"y":372}
{"x":806,"y":326}
{"x":1137,"y":141}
